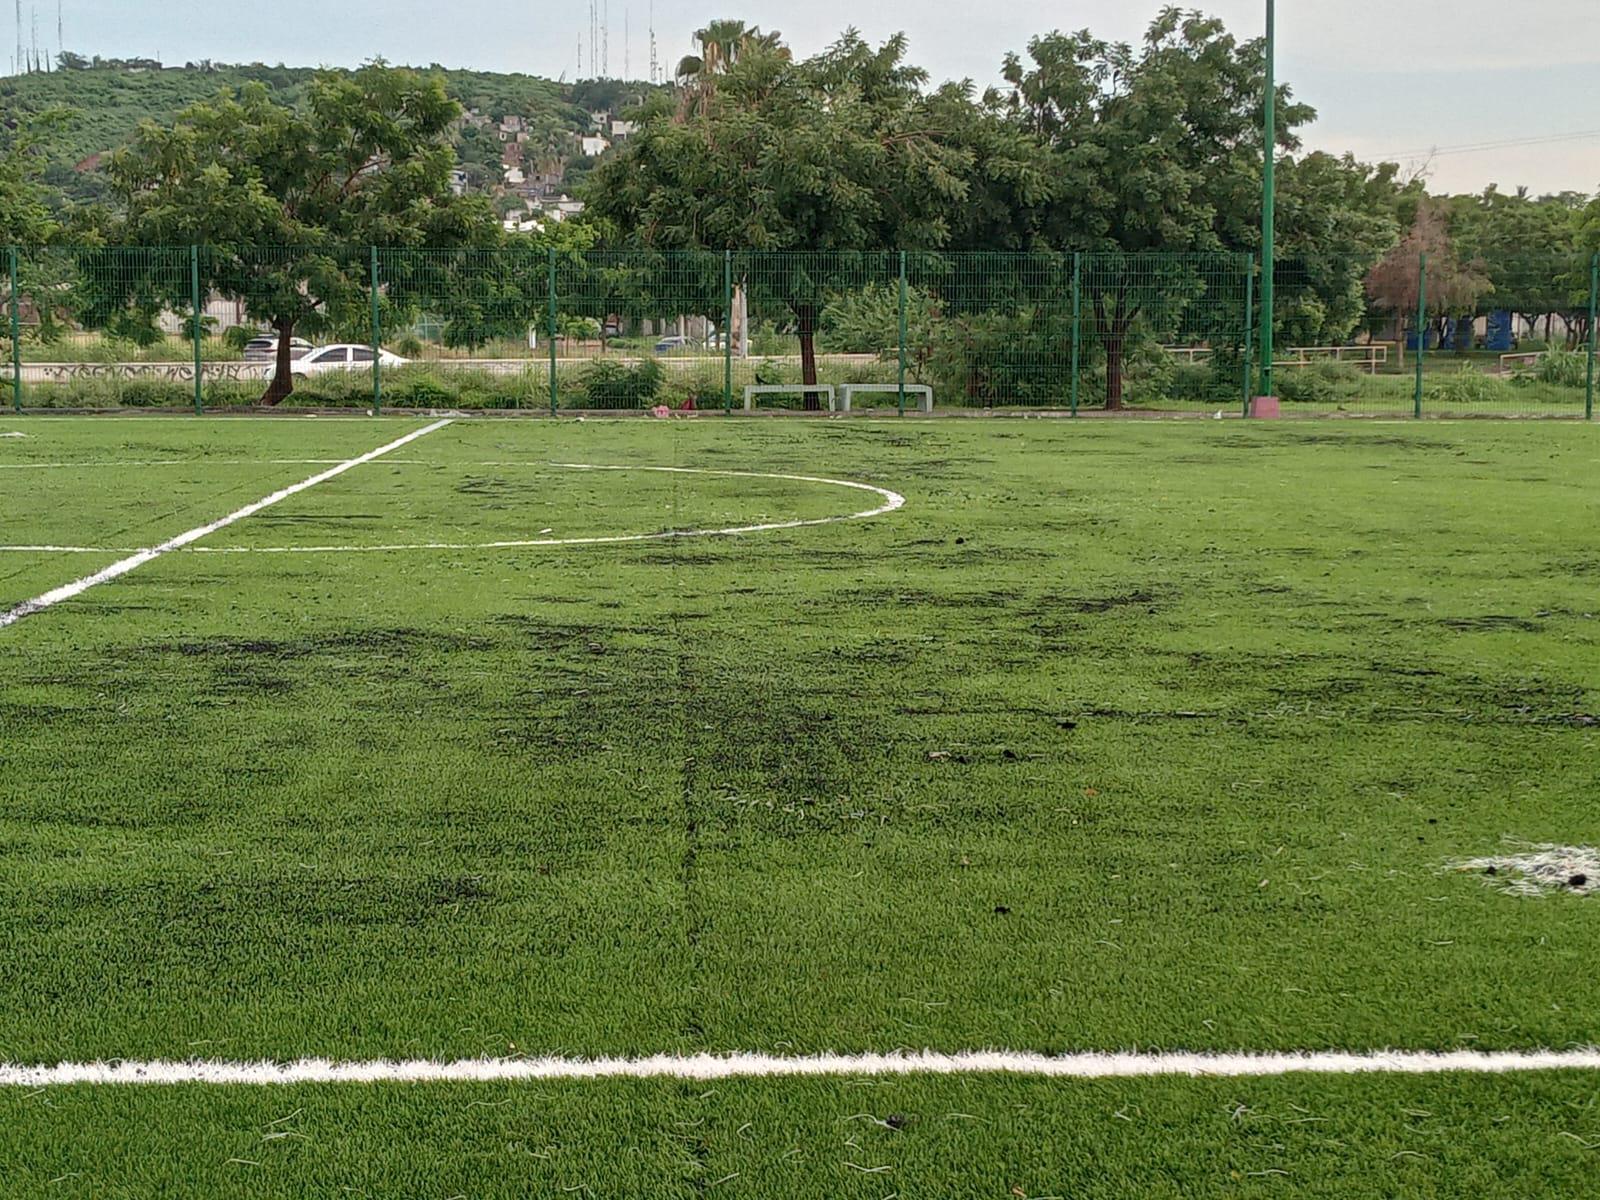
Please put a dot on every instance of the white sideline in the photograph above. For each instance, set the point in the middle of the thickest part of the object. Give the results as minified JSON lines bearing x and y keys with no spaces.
{"x":133,"y":561}
{"x":746,"y":1066}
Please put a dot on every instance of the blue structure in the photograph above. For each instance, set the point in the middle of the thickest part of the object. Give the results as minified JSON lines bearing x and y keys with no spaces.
{"x":1500,"y":338}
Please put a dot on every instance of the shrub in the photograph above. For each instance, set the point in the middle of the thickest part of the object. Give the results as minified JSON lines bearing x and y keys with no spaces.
{"x":1321,"y":383}
{"x":700,"y":383}
{"x":610,"y":384}
{"x":766,"y":341}
{"x":770,"y":374}
{"x":1468,"y":386}
{"x":237,"y":337}
{"x":1558,"y":368}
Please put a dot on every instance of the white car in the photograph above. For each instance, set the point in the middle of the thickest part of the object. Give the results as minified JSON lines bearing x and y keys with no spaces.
{"x":265,"y":348}
{"x":345,"y":356}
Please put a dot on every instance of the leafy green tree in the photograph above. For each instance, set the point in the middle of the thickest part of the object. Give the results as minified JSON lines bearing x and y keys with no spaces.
{"x":833,"y":160}
{"x":1529,"y":249}
{"x":1336,"y":218}
{"x":1156,"y":148}
{"x":364,"y":161}
{"x":25,"y":218}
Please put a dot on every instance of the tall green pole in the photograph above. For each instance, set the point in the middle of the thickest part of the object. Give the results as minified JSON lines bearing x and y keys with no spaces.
{"x":16,"y":334}
{"x":377,"y":341}
{"x":194,"y":306}
{"x":727,"y":331}
{"x":554,"y":399}
{"x":903,"y":291}
{"x":1422,"y":331}
{"x":1594,"y":336}
{"x":1269,"y":199}
{"x":1077,"y":323}
{"x":1250,"y":325}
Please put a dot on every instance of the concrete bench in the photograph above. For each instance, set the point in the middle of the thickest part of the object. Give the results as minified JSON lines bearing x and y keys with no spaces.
{"x":787,"y":389}
{"x":922,"y":391}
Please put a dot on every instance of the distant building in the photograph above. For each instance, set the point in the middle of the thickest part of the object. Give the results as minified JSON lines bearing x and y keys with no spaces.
{"x":593,"y":146}
{"x":622,"y":129}
{"x":458,"y":182}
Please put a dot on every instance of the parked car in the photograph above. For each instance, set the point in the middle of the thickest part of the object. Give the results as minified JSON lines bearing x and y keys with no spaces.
{"x":265,"y":348}
{"x":672,"y":345}
{"x":344,"y":356}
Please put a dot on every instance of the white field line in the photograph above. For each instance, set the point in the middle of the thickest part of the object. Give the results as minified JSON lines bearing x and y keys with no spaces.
{"x":891,"y":502}
{"x":101,"y":464}
{"x":748,"y":1066}
{"x":134,"y":561}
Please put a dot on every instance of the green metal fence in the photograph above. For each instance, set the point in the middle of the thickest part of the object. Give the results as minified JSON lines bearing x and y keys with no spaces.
{"x":730,"y":331}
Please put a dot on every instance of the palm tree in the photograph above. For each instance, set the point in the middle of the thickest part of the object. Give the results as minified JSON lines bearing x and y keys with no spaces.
{"x":722,"y":44}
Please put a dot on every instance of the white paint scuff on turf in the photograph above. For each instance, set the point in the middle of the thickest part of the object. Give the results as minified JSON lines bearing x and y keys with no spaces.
{"x":1084,"y":1066}
{"x":892,"y":501}
{"x":134,"y":561}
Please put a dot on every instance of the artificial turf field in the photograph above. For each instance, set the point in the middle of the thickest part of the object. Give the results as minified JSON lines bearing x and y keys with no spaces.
{"x":1113,"y":737}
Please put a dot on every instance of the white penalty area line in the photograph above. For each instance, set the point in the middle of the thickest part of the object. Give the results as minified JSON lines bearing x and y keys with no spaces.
{"x":1086,"y":1066}
{"x":138,"y":559}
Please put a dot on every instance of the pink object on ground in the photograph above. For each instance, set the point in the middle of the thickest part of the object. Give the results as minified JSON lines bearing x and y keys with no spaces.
{"x":1265,"y":408}
{"x":661,"y":410}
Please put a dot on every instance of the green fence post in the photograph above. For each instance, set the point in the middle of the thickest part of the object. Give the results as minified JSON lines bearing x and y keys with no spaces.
{"x":1269,"y":206}
{"x":1594,"y":339}
{"x":16,"y":334}
{"x":727,"y":332}
{"x":1077,"y":324}
{"x":197,"y":331}
{"x":1249,"y":328}
{"x":1422,"y":330}
{"x":377,"y":340}
{"x":554,"y":400}
{"x":903,"y":297}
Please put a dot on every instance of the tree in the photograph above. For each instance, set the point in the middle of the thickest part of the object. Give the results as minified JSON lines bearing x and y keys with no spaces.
{"x":1156,"y":149}
{"x":1529,"y":251}
{"x":1453,"y":286}
{"x":722,"y":44}
{"x":25,"y":218}
{"x":365,"y":161}
{"x":834,"y":160}
{"x":1336,"y":218}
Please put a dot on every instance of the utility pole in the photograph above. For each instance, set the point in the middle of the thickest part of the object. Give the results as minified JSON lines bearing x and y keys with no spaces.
{"x":1269,"y":200}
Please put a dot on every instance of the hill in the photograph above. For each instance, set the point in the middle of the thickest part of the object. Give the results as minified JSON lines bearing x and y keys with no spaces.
{"x":108,"y":102}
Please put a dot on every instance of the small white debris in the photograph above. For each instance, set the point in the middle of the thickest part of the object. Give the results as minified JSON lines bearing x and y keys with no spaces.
{"x":13,"y":434}
{"x":1537,"y":869}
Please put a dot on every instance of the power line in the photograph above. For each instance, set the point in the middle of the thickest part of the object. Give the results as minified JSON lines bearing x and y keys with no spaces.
{"x":1504,"y":144}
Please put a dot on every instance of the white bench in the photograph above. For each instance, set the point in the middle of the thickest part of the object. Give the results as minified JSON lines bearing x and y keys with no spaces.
{"x":787,"y":389}
{"x":924,"y":393}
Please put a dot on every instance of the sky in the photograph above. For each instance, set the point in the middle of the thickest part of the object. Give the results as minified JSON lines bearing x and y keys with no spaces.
{"x":1471,"y":92}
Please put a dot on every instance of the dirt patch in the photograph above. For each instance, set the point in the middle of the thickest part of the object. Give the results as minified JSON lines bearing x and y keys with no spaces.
{"x":1492,"y":623}
{"x":388,"y":642}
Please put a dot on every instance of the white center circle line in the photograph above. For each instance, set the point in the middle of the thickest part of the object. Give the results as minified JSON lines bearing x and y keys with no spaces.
{"x":891,"y":502}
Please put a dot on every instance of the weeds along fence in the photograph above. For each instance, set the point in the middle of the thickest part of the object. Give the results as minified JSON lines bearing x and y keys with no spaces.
{"x":517,"y":328}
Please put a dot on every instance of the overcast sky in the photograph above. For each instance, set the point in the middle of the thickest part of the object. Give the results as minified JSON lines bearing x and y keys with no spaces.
{"x":1390,"y":78}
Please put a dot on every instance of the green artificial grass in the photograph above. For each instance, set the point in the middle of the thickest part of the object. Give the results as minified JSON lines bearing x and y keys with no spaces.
{"x":997,"y":1137}
{"x":1116,"y":736}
